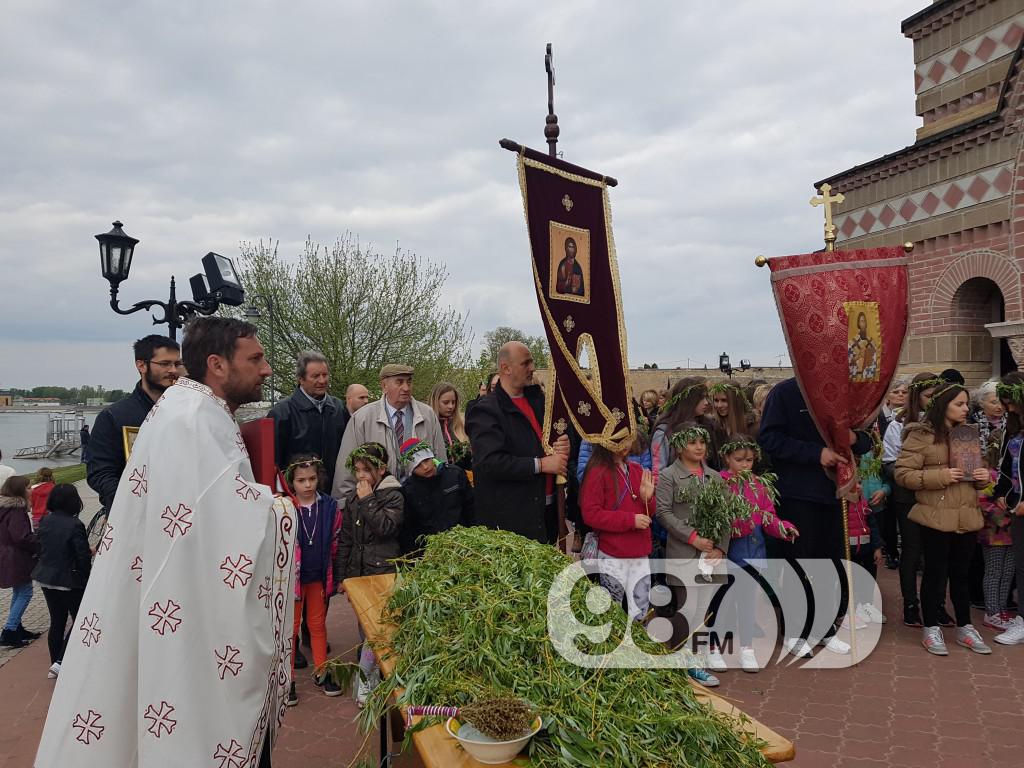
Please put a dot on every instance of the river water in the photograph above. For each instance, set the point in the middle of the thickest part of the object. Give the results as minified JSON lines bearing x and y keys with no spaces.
{"x":22,"y":430}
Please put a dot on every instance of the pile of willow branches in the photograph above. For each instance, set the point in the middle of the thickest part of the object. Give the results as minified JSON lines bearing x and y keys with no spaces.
{"x":471,"y":619}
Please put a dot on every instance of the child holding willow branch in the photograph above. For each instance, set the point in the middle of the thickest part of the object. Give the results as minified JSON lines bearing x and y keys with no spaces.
{"x":747,"y":547}
{"x":696,"y":536}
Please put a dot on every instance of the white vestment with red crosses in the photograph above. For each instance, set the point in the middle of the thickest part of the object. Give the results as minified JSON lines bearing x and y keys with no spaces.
{"x":180,"y":654}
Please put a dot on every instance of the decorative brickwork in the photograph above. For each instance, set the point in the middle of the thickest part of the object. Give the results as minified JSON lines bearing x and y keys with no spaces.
{"x":957,"y":192}
{"x":970,"y":55}
{"x":936,"y":200}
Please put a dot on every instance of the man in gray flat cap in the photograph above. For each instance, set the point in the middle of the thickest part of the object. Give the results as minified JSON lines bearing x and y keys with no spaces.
{"x":390,"y":421}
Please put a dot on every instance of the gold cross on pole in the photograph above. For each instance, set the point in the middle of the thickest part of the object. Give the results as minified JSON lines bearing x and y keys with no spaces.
{"x":827,"y":200}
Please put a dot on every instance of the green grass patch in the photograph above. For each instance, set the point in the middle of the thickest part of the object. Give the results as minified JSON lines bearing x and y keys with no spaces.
{"x":71,"y":474}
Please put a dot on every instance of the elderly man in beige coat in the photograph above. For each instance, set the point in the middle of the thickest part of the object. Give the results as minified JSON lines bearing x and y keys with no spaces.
{"x":390,"y":421}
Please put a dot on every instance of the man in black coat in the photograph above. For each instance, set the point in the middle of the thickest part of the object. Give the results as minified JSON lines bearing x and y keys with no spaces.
{"x":807,"y":494}
{"x":514,"y":481}
{"x":311,"y":420}
{"x":158,"y":361}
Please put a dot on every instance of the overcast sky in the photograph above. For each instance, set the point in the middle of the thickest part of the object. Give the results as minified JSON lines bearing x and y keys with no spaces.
{"x":202,"y":125}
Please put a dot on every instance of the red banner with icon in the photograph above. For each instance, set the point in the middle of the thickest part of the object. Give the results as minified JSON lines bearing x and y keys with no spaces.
{"x":844,"y":315}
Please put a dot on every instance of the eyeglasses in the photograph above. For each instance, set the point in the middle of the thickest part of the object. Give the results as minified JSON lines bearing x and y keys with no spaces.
{"x":167,"y":364}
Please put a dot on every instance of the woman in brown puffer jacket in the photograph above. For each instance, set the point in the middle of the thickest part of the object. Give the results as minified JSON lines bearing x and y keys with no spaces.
{"x":947,"y":511}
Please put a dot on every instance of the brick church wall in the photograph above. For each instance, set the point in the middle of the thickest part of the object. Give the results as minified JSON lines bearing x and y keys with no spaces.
{"x":955,"y":192}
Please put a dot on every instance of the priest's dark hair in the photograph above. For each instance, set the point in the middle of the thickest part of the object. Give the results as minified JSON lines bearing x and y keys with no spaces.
{"x":205,"y":336}
{"x":147,"y":346}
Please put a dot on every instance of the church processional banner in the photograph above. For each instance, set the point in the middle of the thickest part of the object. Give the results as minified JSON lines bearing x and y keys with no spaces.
{"x":568,"y":219}
{"x":844,"y":314}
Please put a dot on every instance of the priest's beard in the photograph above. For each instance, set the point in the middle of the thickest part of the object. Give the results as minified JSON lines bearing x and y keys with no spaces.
{"x":239,"y":391}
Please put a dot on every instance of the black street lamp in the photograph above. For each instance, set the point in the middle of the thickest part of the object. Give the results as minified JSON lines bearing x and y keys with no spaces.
{"x":116,"y":251}
{"x":253,"y":313}
{"x":724,"y":365}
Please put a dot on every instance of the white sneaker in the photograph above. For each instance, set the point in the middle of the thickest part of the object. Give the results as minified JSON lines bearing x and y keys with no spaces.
{"x":995,"y":621}
{"x":366,"y":687}
{"x":858,"y":622}
{"x":715,"y":662}
{"x":870,"y":614}
{"x":748,"y":661}
{"x":968,"y":637}
{"x":931,"y":639}
{"x":836,"y":645}
{"x":1014,"y":635}
{"x":53,"y":671}
{"x":798,"y":647}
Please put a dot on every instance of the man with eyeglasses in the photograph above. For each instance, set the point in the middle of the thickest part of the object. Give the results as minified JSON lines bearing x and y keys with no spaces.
{"x":158,"y":361}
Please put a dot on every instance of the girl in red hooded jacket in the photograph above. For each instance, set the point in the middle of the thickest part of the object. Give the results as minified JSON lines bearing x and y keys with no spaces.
{"x":616,"y":499}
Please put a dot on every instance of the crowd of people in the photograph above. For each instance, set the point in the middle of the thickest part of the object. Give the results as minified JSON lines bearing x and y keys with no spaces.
{"x":370,"y":478}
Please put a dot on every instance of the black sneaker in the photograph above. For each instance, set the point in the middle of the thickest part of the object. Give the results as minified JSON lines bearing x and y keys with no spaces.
{"x":300,"y":660}
{"x":945,"y":620}
{"x":293,"y":697}
{"x":912,"y":615}
{"x":28,"y":634}
{"x":11,"y":639}
{"x":330,"y":688}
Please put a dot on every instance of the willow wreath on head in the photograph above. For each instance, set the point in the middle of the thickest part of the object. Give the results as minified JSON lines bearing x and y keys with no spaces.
{"x":682,"y":395}
{"x":740,"y":445}
{"x":724,"y":387}
{"x":680,"y":439}
{"x":405,"y":457}
{"x":941,"y":391}
{"x":1013,"y":393}
{"x":302,"y":464}
{"x":921,"y":386}
{"x":366,"y":453}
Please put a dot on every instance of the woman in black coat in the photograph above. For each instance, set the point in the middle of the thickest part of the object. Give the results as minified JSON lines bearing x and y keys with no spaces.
{"x":63,"y":567}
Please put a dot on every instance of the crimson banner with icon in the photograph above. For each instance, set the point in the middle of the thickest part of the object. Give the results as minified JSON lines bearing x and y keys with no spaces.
{"x":568,"y":219}
{"x":844,"y":314}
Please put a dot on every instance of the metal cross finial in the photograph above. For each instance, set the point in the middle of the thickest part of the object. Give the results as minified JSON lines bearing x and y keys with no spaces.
{"x":551,"y":122}
{"x":827,"y":200}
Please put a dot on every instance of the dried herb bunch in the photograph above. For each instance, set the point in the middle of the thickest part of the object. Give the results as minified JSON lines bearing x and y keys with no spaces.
{"x":471,"y":623}
{"x":503,"y":718}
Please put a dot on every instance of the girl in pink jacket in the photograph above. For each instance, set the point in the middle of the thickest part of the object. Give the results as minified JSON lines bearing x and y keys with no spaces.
{"x":747,"y":548}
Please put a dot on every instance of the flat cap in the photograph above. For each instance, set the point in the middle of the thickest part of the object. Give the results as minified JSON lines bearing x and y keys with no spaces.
{"x":394,"y":369}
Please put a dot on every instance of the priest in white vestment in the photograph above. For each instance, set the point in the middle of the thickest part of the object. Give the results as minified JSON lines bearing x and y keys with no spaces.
{"x":180,"y":655}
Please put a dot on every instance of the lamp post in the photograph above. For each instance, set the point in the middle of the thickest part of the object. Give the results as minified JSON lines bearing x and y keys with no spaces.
{"x":252,"y":312}
{"x":116,"y":252}
{"x":724,"y":365}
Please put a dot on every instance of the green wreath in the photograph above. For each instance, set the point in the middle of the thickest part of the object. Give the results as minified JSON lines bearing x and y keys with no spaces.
{"x":680,"y":439}
{"x":362,"y":454}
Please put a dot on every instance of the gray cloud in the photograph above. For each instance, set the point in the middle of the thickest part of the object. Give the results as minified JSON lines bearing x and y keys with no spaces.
{"x":203,"y":125}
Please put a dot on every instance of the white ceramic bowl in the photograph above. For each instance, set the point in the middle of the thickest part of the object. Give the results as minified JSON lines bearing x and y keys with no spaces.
{"x":491,"y":752}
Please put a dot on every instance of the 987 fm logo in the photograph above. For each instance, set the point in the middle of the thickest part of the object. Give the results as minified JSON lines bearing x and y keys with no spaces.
{"x":683,"y":614}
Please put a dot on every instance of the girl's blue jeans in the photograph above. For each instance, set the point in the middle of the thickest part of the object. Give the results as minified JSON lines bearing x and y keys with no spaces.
{"x":20,"y":597}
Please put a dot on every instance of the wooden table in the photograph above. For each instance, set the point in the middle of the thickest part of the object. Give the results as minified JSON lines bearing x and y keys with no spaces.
{"x":368,"y":596}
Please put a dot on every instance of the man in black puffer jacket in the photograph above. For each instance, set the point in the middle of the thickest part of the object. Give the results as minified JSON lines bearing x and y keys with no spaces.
{"x":437,"y":495}
{"x":158,"y":361}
